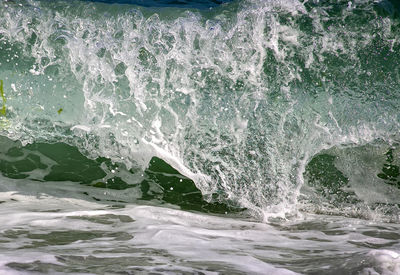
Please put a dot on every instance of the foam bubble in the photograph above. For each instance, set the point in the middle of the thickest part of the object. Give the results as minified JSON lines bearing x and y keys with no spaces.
{"x":386,"y":262}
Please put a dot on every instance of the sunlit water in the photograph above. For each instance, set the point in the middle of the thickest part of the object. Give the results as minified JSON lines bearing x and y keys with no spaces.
{"x":208,"y":137}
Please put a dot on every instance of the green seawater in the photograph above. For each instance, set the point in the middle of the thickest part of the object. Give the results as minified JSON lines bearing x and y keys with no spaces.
{"x":248,"y":136}
{"x":60,"y":162}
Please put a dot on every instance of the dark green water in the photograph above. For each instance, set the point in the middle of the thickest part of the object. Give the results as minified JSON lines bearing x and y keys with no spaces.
{"x":60,"y":162}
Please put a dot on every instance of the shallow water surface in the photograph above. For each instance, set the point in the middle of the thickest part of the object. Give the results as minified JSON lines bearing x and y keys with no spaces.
{"x":49,"y":234}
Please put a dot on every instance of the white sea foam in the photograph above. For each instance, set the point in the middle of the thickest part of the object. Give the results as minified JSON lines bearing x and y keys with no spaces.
{"x":387,"y":262}
{"x":65,"y":230}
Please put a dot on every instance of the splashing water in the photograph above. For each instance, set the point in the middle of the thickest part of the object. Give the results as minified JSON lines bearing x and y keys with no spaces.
{"x":252,"y":136}
{"x":239,"y":98}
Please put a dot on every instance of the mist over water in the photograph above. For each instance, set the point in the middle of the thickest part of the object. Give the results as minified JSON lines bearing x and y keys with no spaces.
{"x":263,"y":110}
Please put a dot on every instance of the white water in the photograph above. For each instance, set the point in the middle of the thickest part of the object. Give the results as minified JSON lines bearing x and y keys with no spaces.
{"x":63,"y":233}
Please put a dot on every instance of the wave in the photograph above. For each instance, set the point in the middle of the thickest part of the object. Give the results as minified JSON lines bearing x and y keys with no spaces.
{"x":241,"y":98}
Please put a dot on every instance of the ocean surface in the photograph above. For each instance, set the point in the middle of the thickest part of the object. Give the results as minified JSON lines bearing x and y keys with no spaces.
{"x":200,"y":137}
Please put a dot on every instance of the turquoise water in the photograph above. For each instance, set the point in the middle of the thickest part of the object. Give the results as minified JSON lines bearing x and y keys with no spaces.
{"x":132,"y":132}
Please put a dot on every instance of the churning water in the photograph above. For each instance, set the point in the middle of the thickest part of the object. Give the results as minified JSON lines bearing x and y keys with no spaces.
{"x":208,"y":137}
